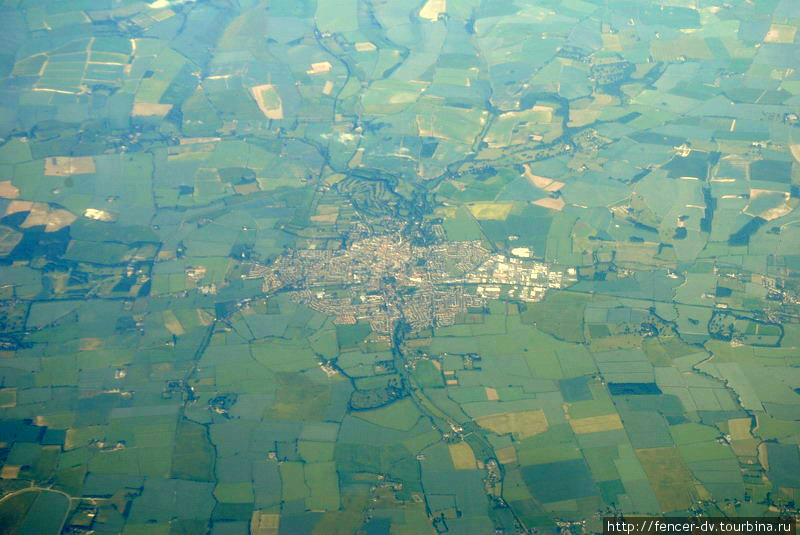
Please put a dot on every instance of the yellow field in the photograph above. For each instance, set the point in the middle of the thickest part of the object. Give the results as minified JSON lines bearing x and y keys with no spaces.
{"x":668,"y":476}
{"x":90,"y":343}
{"x":542,"y":182}
{"x":10,"y":472}
{"x":490,"y":210}
{"x":18,"y":206}
{"x":8,"y":190}
{"x":403,"y":97}
{"x":795,"y":150}
{"x":522,"y":424}
{"x":432,"y":9}
{"x":772,"y":213}
{"x":462,"y":456}
{"x":150,"y":109}
{"x":425,"y":126}
{"x":8,"y":397}
{"x":355,"y":161}
{"x":53,"y":219}
{"x":745,"y":448}
{"x":780,"y":33}
{"x":69,"y":165}
{"x":246,"y":189}
{"x":172,"y":324}
{"x":365,"y":46}
{"x":326,"y":213}
{"x":446,"y":211}
{"x":553,"y":204}
{"x":268,"y":100}
{"x":491,"y":394}
{"x":507,"y":455}
{"x":739,"y":428}
{"x":612,"y":42}
{"x":324,"y":218}
{"x":264,"y":523}
{"x":320,"y":67}
{"x":333,"y":178}
{"x":742,"y":442}
{"x":593,"y":424}
{"x":763,"y":456}
{"x":9,"y":238}
{"x":196,"y":140}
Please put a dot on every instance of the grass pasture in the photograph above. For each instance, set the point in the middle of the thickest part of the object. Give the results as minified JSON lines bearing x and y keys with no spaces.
{"x":193,"y":456}
{"x":669,"y":477}
{"x":401,"y":415}
{"x":298,"y":397}
{"x":35,"y":512}
{"x":559,"y":314}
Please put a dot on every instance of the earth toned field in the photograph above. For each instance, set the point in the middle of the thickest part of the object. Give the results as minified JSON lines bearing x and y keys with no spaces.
{"x":366,"y":267}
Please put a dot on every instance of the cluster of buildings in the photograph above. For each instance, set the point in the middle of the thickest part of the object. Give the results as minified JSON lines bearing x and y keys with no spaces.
{"x":385,"y":279}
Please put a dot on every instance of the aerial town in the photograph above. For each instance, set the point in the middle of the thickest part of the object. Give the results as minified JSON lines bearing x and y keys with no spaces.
{"x":384,"y":279}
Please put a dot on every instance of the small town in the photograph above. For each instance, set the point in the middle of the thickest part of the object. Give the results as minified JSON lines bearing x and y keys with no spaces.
{"x":384,"y":279}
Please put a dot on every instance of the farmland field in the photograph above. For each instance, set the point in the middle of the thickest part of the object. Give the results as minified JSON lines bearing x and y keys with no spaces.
{"x":389,"y":267}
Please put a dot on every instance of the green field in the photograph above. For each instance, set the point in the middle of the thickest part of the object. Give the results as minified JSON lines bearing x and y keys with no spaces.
{"x":317,"y":267}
